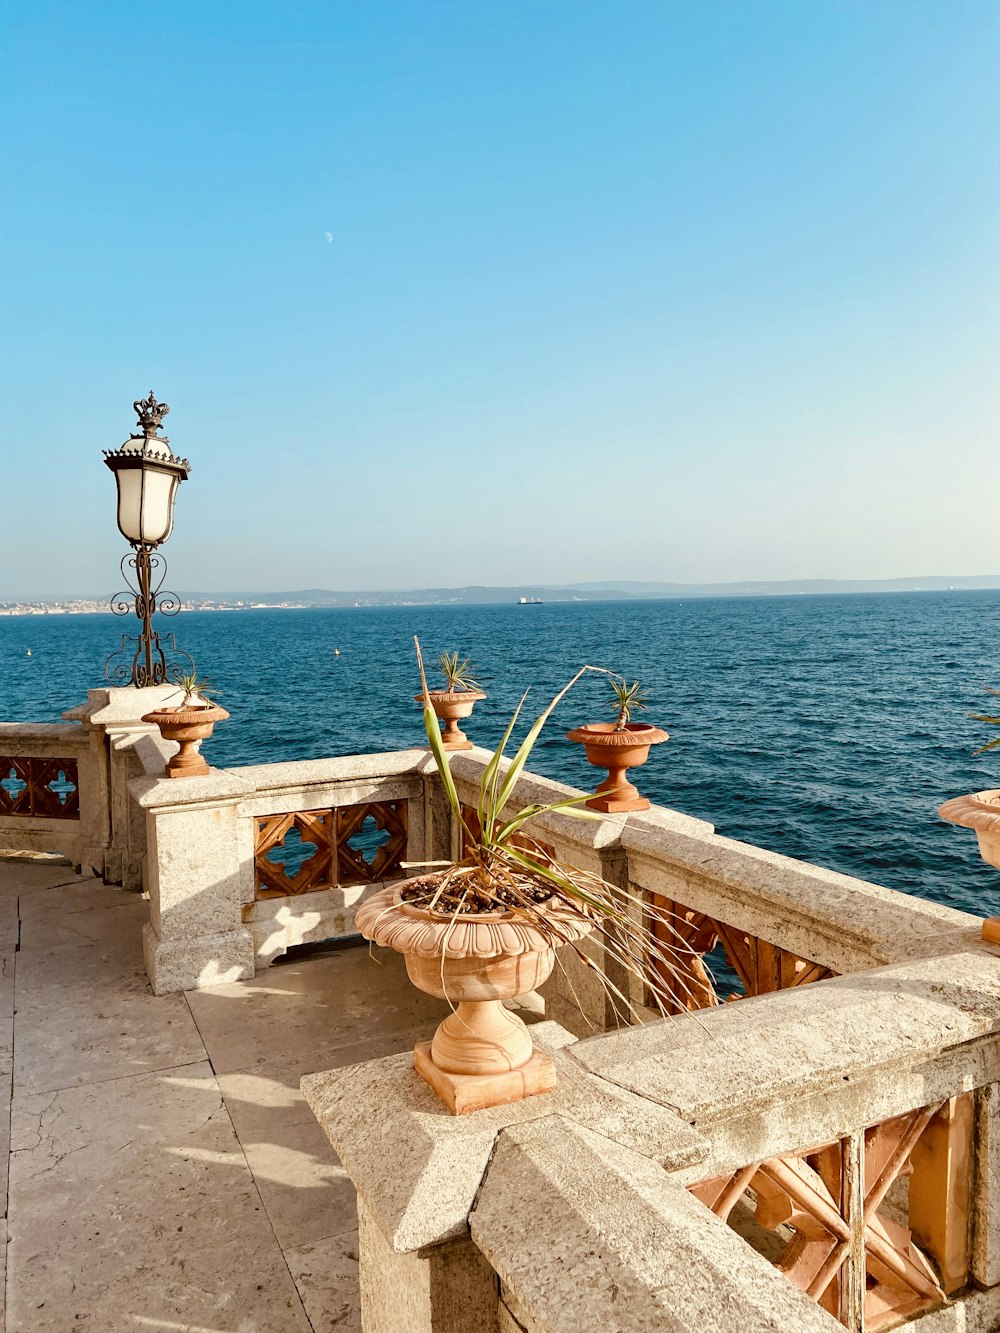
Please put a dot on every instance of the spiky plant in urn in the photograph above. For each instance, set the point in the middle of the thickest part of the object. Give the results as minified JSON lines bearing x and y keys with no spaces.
{"x":188,"y":724}
{"x":456,"y":701}
{"x":486,"y":928}
{"x":619,"y":746}
{"x":981,"y":811}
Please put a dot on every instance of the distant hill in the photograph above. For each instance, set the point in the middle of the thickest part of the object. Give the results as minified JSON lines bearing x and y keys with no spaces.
{"x":603,"y":590}
{"x":606,"y":590}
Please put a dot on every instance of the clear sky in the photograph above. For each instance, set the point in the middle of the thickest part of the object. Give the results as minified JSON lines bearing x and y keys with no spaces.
{"x":503,"y":292}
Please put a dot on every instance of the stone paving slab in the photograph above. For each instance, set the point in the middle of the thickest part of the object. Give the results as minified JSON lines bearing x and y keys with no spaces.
{"x":95,"y":989}
{"x":132,"y":1208}
{"x":148,"y":1192}
{"x":305,"y":1190}
{"x":326,"y":1275}
{"x":321,"y":1006}
{"x":31,"y":872}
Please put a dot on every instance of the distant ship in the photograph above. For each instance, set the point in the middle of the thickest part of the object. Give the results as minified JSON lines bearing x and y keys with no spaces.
{"x":529,"y":601}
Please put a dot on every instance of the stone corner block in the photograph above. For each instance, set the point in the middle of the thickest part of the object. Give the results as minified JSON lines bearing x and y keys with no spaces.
{"x":654,"y":1256}
{"x":421,"y":1193}
{"x":196,"y":962}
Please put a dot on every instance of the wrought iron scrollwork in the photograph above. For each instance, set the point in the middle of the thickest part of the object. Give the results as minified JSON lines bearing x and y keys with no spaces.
{"x":153,"y":661}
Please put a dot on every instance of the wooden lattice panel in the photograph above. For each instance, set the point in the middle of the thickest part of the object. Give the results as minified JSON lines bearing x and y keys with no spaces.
{"x":389,"y":817}
{"x":762,"y":967}
{"x":868,"y":1257}
{"x":303,"y":851}
{"x":39,"y":788}
{"x":315,"y":871}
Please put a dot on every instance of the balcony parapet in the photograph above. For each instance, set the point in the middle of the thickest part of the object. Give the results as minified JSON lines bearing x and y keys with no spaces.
{"x":863,"y":1110}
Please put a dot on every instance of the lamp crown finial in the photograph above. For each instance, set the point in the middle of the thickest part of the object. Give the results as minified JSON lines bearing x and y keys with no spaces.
{"x":150,"y":414}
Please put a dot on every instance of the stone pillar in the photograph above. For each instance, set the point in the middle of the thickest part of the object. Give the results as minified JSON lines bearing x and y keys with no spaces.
{"x":447,"y":1289}
{"x":115,"y":833}
{"x":199,"y":873}
{"x":986,"y":1187}
{"x":418,"y":1172}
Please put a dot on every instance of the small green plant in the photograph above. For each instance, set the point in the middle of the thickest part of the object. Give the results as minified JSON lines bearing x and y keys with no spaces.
{"x":628,"y":699}
{"x":993,"y":721}
{"x":458,"y":675}
{"x":504,"y":868}
{"x":193,"y":686}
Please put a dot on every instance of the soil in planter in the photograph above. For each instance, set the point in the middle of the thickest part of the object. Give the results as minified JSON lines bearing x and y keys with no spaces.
{"x":464,"y":896}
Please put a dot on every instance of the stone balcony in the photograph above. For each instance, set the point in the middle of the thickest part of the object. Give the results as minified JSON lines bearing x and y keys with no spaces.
{"x":825,"y":1153}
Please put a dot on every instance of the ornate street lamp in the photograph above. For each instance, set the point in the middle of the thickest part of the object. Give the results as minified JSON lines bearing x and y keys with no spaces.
{"x":147,"y":473}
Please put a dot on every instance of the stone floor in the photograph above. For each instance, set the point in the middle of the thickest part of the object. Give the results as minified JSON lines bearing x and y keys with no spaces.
{"x":164,"y":1173}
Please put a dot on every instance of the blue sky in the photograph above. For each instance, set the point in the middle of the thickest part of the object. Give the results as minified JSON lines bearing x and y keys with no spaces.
{"x":727,"y":272}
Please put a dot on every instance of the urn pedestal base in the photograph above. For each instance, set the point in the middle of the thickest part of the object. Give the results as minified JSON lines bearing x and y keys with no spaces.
{"x":455,"y":740}
{"x":616,"y":795}
{"x":462,"y":1093}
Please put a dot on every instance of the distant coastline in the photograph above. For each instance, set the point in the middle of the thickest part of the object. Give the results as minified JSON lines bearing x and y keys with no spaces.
{"x":480,"y":595}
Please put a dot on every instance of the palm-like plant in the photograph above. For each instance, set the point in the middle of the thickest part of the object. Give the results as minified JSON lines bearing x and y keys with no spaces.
{"x":504,"y":868}
{"x":628,"y":699}
{"x":193,"y":686}
{"x":993,"y":721}
{"x":458,"y":675}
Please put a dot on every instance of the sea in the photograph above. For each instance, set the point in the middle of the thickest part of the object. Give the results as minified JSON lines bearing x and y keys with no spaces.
{"x":829,"y":728}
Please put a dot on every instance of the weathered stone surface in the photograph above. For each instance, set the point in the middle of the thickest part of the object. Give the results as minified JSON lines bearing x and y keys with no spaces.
{"x":986,"y":1188}
{"x":420,"y":1192}
{"x":31,"y":873}
{"x":976,"y":1313}
{"x":98,"y":992}
{"x":196,"y":961}
{"x":448,"y":1289}
{"x":508,"y":1324}
{"x":588,"y":1236}
{"x":278,"y":924}
{"x":76,"y":913}
{"x":307,"y":1193}
{"x":319,"y":1008}
{"x":737,"y":1057}
{"x":326,"y":1275}
{"x":842,"y":922}
{"x":155,"y":1173}
{"x":343,"y":768}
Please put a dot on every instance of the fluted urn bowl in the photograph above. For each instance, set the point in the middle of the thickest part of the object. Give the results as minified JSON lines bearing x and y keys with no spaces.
{"x":188,"y":727}
{"x":450,"y":706}
{"x":617,"y":749}
{"x":980,"y":811}
{"x":475,"y":962}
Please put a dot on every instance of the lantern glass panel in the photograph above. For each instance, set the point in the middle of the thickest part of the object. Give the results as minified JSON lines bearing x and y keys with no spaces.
{"x":145,"y":504}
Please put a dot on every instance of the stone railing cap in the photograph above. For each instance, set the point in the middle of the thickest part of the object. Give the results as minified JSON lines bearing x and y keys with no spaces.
{"x":418,"y":1167}
{"x":588,"y":1236}
{"x":781,"y":1047}
{"x":220,"y":786}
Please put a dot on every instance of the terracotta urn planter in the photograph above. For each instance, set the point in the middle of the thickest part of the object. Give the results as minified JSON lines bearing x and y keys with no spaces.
{"x":188,"y":726}
{"x":980,"y":811}
{"x":450,"y":706}
{"x":617,"y":749}
{"x":481,"y":1054}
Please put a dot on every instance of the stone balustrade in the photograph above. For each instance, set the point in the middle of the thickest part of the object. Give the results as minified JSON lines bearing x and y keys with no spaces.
{"x":819,"y":1158}
{"x":823,"y":1153}
{"x":64,"y":786}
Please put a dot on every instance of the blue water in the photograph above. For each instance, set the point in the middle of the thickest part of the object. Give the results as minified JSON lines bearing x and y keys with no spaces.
{"x":828,"y":728}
